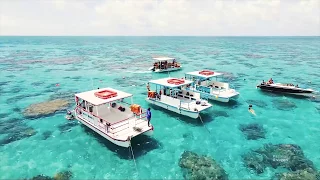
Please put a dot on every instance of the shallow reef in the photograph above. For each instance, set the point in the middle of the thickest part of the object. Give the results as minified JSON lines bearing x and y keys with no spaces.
{"x":201,"y":167}
{"x":64,"y":175}
{"x":258,"y":103}
{"x":253,"y":131}
{"x":287,"y":156}
{"x":67,"y":126}
{"x":220,"y":114}
{"x":24,"y":132}
{"x":307,"y":174}
{"x":283,"y":104}
{"x":46,"y":108}
{"x":46,"y":135}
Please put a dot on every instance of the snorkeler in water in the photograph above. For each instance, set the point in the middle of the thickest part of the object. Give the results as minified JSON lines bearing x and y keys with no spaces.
{"x":251,"y":110}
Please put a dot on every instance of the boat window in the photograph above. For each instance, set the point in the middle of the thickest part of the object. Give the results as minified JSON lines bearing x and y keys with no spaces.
{"x":83,"y":104}
{"x":90,"y":108}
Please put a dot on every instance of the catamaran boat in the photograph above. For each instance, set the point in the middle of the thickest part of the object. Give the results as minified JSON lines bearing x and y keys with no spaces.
{"x":170,"y":94}
{"x":106,"y":112}
{"x":207,"y":84}
{"x":287,"y":88}
{"x":165,"y":64}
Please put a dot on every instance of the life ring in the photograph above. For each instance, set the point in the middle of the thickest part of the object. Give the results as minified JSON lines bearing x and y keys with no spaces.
{"x":175,"y":81}
{"x":113,"y":104}
{"x":206,"y":72}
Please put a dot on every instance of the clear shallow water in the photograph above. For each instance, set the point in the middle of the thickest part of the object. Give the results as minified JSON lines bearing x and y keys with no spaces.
{"x":32,"y":66}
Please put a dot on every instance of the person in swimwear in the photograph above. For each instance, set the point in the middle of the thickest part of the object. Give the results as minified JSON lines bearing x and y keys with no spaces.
{"x":251,"y":110}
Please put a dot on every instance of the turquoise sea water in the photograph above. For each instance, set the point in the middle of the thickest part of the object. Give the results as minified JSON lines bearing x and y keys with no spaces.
{"x":32,"y":66}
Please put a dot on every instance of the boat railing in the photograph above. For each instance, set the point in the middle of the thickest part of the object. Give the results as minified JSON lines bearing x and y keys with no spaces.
{"x":126,"y":125}
{"x":82,"y":109}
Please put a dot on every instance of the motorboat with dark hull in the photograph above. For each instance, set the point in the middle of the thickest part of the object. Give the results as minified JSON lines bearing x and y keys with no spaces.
{"x":286,"y":89}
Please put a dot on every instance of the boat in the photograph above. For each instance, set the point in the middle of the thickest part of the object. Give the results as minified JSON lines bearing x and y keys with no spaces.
{"x":285,"y":88}
{"x":165,"y":64}
{"x":112,"y":114}
{"x":207,"y":84}
{"x":169,"y":94}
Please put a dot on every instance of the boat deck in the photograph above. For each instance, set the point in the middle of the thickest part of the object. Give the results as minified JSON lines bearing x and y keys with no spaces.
{"x":122,"y":131}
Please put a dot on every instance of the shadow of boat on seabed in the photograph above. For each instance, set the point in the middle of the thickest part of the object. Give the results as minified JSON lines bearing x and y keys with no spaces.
{"x":141,"y":145}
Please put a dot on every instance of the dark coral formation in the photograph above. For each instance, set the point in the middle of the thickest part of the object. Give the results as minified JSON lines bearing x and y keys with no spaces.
{"x":23,"y":132}
{"x":201,"y":167}
{"x":307,"y":174}
{"x":46,"y":135}
{"x":64,"y":175}
{"x":283,"y":104}
{"x":252,"y":131}
{"x":258,"y":103}
{"x":220,"y":113}
{"x":67,"y":126}
{"x":41,"y":177}
{"x":288,"y":156}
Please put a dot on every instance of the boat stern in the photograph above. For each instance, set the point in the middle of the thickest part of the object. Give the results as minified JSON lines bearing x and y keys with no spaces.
{"x":202,"y":106}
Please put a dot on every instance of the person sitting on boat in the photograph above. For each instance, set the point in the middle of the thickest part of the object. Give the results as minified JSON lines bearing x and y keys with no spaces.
{"x":270,"y":81}
{"x":297,"y":86}
{"x":263,"y":82}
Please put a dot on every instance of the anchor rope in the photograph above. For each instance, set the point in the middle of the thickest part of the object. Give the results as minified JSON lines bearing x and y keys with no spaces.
{"x":203,"y":122}
{"x":134,"y":160}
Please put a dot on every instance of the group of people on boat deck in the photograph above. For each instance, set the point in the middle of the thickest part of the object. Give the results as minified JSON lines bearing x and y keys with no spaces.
{"x":269,"y":82}
{"x":165,"y":64}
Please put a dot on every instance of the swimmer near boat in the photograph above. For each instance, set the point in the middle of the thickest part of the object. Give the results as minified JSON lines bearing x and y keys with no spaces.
{"x":251,"y":110}
{"x":69,"y":115}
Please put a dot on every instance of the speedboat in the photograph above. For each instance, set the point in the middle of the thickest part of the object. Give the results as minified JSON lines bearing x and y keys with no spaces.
{"x":108,"y":112}
{"x":287,"y":88}
{"x":165,"y":64}
{"x":206,"y":83}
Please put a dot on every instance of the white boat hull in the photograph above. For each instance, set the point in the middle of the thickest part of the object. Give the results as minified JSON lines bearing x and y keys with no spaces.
{"x":221,"y":99}
{"x":121,"y":143}
{"x":165,"y":70}
{"x":185,"y":112}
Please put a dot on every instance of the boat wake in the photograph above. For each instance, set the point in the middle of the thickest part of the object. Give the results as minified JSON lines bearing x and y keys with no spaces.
{"x":139,"y":72}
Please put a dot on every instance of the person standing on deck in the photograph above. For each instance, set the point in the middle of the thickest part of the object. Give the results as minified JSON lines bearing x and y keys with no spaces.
{"x":148,"y":116}
{"x":148,"y":87}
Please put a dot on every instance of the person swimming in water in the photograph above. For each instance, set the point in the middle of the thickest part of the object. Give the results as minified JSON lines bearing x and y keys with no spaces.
{"x":251,"y":110}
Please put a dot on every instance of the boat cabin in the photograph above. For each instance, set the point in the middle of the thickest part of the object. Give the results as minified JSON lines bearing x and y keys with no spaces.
{"x":165,"y":64}
{"x":206,"y":82}
{"x":206,"y":79}
{"x":112,"y":114}
{"x":170,"y":93}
